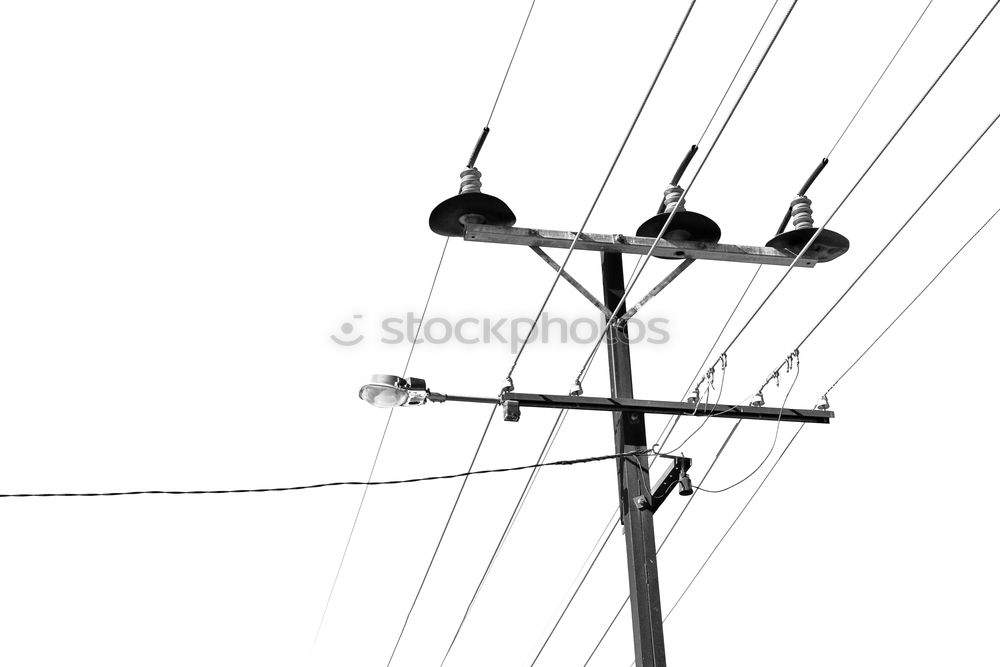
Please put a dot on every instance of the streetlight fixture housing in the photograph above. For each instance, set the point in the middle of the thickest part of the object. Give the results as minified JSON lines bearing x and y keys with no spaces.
{"x":392,"y":391}
{"x":684,"y":480}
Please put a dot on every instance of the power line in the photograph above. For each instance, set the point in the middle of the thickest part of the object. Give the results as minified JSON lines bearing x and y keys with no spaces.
{"x":534,"y":324}
{"x":879,"y":80}
{"x":472,"y":160}
{"x":736,"y":74}
{"x":899,"y":315}
{"x":510,"y":63}
{"x":892,"y":138}
{"x":823,"y":318}
{"x":378,"y":450}
{"x":444,"y":530}
{"x":774,"y":442}
{"x":586,"y":367}
{"x":698,"y":487}
{"x":552,"y":288}
{"x":600,"y":191}
{"x":556,"y":427}
{"x":899,"y":231}
{"x":665,"y":434}
{"x":671,"y":425}
{"x":747,"y":504}
{"x":912,"y":301}
{"x":677,"y":520}
{"x":576,"y":590}
{"x":322,"y":485}
{"x":640,"y":266}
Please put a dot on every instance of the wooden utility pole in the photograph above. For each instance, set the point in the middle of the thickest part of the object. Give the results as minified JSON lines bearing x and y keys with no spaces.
{"x":633,"y":480}
{"x":638,"y":500}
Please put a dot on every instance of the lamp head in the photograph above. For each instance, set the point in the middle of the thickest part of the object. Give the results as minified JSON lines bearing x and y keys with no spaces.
{"x":392,"y":391}
{"x":685,"y":483}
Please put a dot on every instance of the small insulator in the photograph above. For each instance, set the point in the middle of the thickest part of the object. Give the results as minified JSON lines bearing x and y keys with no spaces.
{"x":824,"y":403}
{"x":472,"y":180}
{"x":672,"y":199}
{"x":758,"y":400}
{"x":577,"y":389}
{"x":694,"y":396}
{"x":802,"y":212}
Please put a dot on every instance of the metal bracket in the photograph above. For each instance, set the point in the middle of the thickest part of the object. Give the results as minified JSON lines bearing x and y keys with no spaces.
{"x":572,"y":281}
{"x":656,"y":290}
{"x":668,"y":481}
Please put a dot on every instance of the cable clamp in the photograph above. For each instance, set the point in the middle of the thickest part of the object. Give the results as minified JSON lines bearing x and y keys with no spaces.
{"x":506,"y":389}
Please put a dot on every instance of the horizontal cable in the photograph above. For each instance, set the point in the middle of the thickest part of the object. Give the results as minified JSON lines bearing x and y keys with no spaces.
{"x":305,"y":487}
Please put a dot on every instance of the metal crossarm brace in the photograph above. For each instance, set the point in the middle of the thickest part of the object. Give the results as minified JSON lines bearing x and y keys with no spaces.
{"x":660,"y":286}
{"x":572,"y":281}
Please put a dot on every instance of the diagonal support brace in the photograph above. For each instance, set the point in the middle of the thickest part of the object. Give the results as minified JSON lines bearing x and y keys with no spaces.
{"x":656,"y":290}
{"x":572,"y":281}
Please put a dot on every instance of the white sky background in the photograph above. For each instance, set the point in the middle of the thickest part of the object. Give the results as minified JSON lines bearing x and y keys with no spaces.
{"x":195,"y":195}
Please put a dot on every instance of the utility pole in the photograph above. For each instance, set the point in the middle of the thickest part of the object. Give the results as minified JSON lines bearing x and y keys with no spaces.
{"x":633,"y":479}
{"x":686,"y":237}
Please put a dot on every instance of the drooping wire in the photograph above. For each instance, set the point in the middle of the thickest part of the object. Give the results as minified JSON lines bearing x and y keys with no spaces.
{"x":912,"y":301}
{"x":378,"y":450}
{"x":600,"y":191}
{"x":553,"y":433}
{"x":819,"y":230}
{"x":774,"y":443}
{"x":444,"y":531}
{"x":640,"y":266}
{"x":324,"y":485}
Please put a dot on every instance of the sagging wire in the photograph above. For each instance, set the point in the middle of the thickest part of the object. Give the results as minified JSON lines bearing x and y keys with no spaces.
{"x":790,"y":362}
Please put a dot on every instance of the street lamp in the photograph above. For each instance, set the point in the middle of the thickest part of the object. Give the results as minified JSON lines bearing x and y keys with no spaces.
{"x":392,"y":391}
